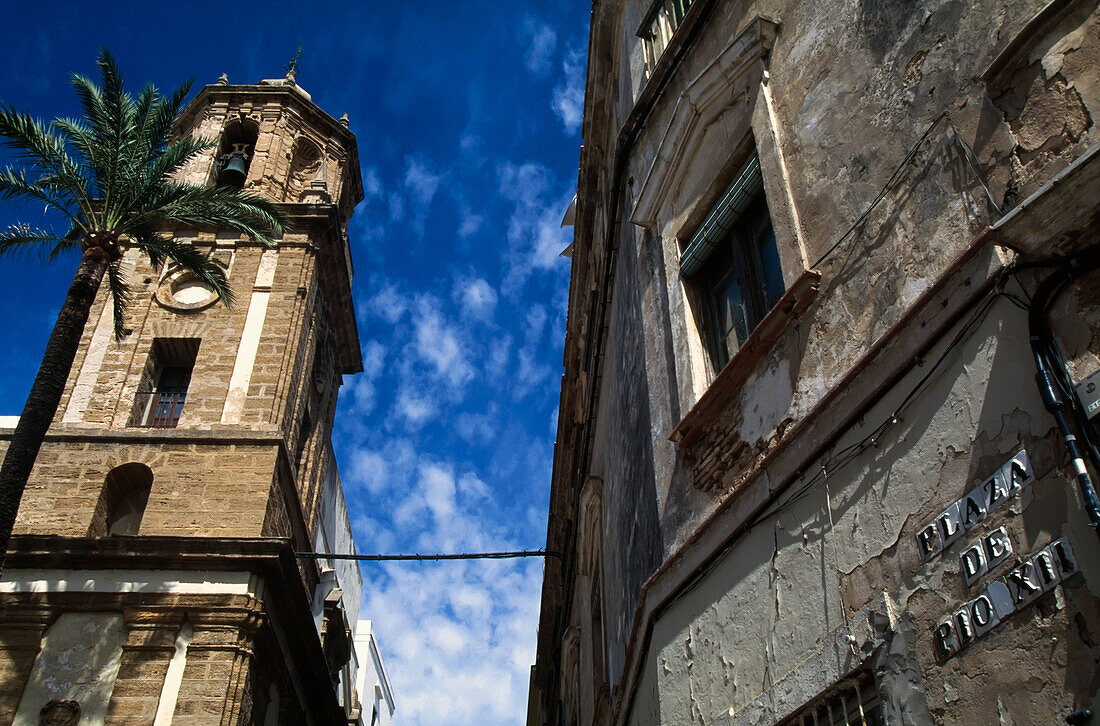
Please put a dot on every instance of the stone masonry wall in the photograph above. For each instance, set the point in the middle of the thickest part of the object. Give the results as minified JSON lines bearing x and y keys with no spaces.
{"x":199,"y":489}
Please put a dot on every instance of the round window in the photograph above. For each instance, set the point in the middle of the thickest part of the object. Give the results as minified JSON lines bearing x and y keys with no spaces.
{"x":182,"y":291}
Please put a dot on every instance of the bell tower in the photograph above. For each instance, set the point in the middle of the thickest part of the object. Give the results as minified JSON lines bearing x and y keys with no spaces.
{"x":154,"y":558}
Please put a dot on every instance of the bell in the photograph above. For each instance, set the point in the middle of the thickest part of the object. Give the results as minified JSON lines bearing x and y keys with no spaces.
{"x":234,"y":171}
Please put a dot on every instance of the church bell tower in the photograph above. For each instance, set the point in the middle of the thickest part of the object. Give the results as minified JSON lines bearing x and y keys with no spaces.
{"x":154,"y":577}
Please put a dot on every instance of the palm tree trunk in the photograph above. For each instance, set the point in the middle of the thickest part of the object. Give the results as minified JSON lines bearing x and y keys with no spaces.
{"x":49,"y":384}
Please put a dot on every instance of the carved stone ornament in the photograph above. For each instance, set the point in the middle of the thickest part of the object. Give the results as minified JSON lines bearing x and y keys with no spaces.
{"x":59,"y":713}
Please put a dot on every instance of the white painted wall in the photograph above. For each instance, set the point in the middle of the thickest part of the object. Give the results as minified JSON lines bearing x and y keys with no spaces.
{"x":80,"y":656}
{"x":373,"y":683}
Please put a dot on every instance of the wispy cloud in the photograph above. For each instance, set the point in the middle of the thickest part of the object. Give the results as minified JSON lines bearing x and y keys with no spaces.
{"x":541,"y":42}
{"x":420,"y":185}
{"x":441,"y":344}
{"x":388,"y":303}
{"x":372,"y":183}
{"x":415,"y":407}
{"x":567,"y":99}
{"x":420,"y":180}
{"x":363,"y":388}
{"x":475,"y":297}
{"x":470,"y":223}
{"x":456,"y":633}
{"x":535,"y":236}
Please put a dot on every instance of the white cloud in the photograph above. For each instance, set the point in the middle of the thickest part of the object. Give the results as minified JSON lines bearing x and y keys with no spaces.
{"x":496,"y":364}
{"x":541,"y":43}
{"x":470,"y":223}
{"x":371,"y":533}
{"x":438,"y":485}
{"x":421,"y":184}
{"x":567,"y":99}
{"x":472,"y":487}
{"x":369,"y":470}
{"x":420,"y":181}
{"x":458,"y":638}
{"x":362,"y":394}
{"x":530,"y":374}
{"x":535,"y":236}
{"x":397,"y":207}
{"x":374,"y":359}
{"x":476,"y":298}
{"x":470,"y":143}
{"x":475,"y":428}
{"x":440,"y":344}
{"x":372,"y":183}
{"x":536,"y":323}
{"x":361,"y":389}
{"x":388,"y":303}
{"x":414,"y":407}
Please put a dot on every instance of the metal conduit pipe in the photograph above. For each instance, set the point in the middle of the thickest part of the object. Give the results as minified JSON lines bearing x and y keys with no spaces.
{"x":1053,"y":380}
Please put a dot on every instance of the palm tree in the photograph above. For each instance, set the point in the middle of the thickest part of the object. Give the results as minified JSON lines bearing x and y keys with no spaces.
{"x":109,"y":174}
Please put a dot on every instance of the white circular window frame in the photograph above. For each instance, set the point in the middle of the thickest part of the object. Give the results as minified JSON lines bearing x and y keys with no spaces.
{"x":166,"y":292}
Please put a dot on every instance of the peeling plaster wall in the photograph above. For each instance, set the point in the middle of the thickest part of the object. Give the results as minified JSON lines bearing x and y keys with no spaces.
{"x":833,"y":104}
{"x":772,"y":600}
{"x":853,"y":88}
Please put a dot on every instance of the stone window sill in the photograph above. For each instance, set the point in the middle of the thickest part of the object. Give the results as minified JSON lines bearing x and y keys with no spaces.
{"x":732,"y":377}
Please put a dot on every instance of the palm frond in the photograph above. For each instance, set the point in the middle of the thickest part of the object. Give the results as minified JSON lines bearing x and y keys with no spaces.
{"x":70,"y":242}
{"x":112,"y":170}
{"x":250,"y":214}
{"x":21,"y":239}
{"x":83,"y":139}
{"x":160,"y":249}
{"x":44,"y":152}
{"x":121,"y":295}
{"x":14,"y":184}
{"x":162,"y":117}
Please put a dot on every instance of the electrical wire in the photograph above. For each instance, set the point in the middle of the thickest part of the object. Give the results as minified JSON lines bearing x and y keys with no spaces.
{"x":971,"y":159}
{"x":840,"y":459}
{"x":426,"y":558}
{"x":895,"y":179}
{"x":1053,"y":379}
{"x":892,"y":182}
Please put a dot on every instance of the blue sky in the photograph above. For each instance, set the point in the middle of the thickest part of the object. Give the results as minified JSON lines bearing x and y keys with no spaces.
{"x":467,"y":116}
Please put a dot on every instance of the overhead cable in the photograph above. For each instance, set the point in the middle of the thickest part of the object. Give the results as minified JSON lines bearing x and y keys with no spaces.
{"x":430,"y":557}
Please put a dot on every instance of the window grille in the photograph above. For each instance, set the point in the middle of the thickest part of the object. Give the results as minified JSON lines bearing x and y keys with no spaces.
{"x":660,"y":24}
{"x":162,"y":392}
{"x":852,"y":702}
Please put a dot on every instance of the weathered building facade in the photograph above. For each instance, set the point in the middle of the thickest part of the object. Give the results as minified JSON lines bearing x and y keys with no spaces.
{"x":152,"y":578}
{"x":804,"y":471}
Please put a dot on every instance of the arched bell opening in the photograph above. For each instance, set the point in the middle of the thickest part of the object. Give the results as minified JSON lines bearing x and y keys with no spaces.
{"x":238,"y":145}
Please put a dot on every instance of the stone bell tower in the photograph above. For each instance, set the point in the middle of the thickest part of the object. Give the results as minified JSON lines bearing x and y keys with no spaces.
{"x":153,"y":576}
